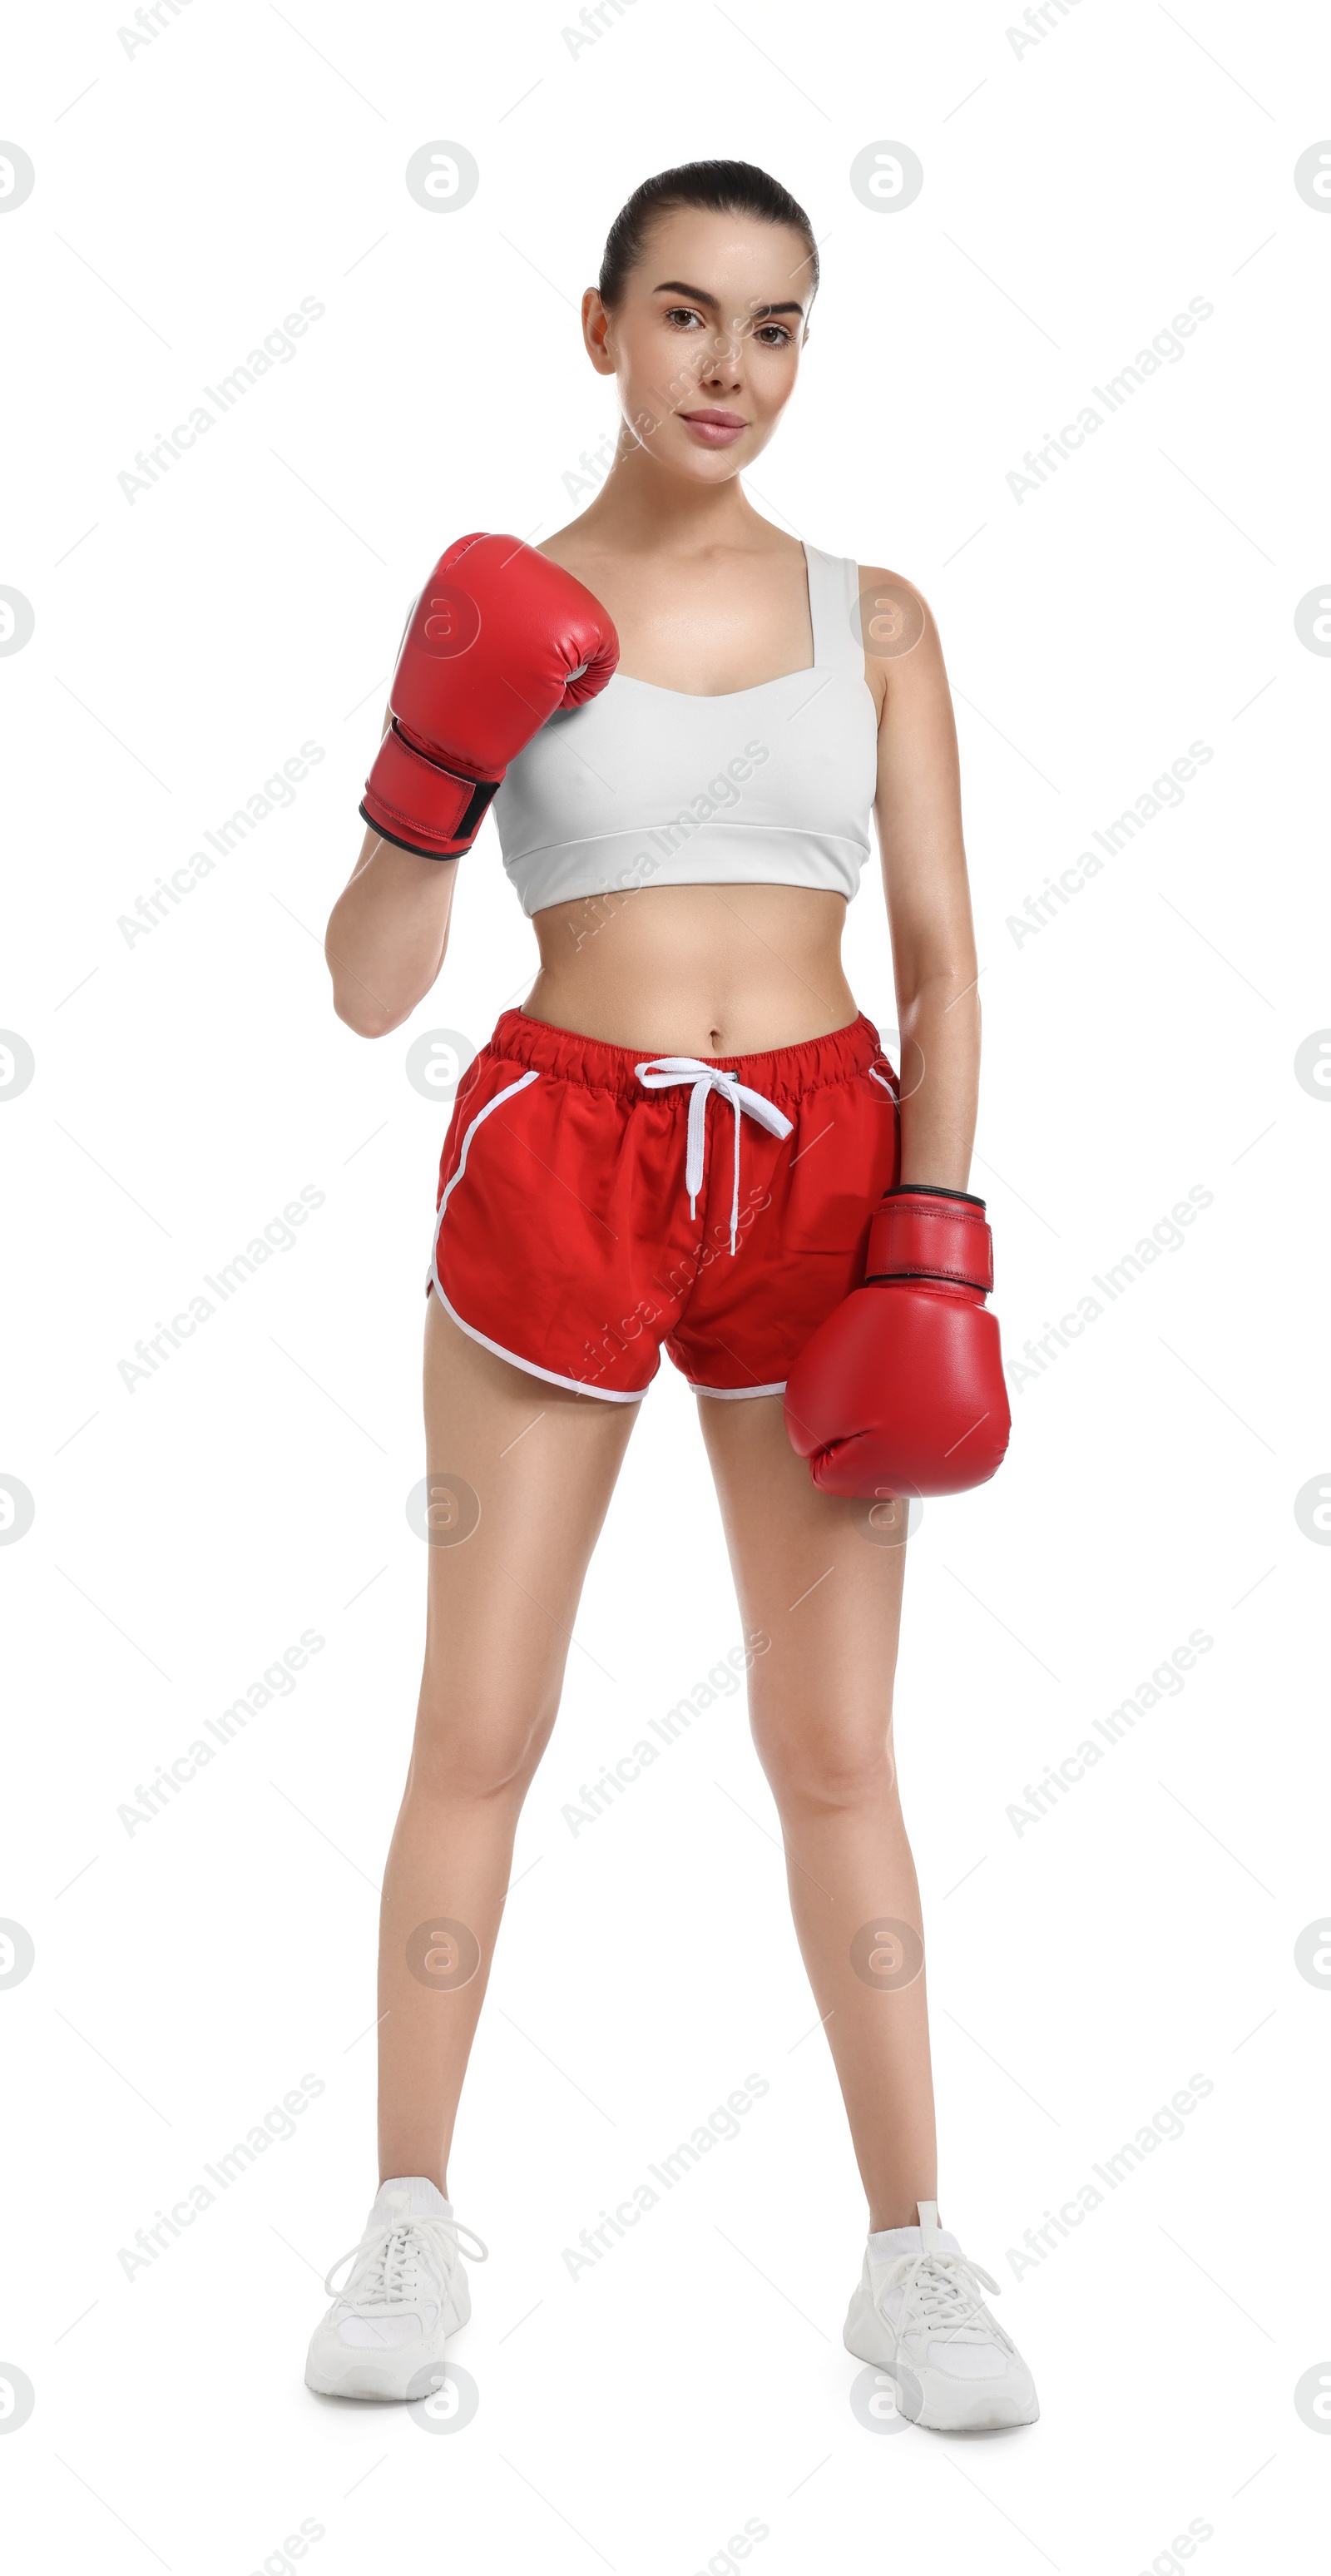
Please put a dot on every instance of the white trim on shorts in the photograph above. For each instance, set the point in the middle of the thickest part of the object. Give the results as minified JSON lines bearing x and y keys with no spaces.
{"x":734,"y":1394}
{"x":607,"y":1394}
{"x":478,"y":1121}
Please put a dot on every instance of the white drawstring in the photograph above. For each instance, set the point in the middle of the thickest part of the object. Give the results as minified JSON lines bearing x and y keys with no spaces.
{"x":660,"y":1070}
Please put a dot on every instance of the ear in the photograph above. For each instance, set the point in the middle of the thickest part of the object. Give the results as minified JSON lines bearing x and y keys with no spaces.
{"x":596,"y":332}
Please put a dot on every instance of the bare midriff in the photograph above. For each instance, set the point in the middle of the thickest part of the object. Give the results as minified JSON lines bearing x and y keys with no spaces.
{"x":705,"y":970}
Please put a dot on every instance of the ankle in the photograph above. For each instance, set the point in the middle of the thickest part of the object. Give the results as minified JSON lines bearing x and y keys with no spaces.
{"x":893,"y":2213}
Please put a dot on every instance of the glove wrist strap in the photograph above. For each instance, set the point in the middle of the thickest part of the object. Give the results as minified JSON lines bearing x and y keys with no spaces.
{"x":931,"y":1234}
{"x":418,"y":804}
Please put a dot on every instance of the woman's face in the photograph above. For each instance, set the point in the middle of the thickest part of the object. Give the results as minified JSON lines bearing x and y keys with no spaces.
{"x":705,"y":344}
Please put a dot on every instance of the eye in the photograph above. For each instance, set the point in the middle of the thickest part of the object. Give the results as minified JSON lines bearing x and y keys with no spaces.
{"x":679,"y":316}
{"x":773,"y":335}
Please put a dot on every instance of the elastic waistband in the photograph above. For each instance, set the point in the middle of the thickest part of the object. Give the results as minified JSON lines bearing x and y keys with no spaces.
{"x":780,"y":1073}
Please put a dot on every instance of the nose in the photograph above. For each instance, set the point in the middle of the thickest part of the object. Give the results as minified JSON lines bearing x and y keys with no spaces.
{"x":724,"y":360}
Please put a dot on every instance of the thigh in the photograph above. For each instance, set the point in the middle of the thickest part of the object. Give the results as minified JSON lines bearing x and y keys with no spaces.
{"x":519,"y":1476}
{"x":820,"y":1577}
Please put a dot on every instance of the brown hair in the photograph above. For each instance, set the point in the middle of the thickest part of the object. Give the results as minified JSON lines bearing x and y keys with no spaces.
{"x":718,"y":187}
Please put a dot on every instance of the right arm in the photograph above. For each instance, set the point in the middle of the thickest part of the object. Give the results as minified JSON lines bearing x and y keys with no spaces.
{"x":495,"y":641}
{"x":387,"y":934}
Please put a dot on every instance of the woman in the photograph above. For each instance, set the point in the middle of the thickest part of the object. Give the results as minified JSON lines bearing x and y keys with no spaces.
{"x":680,"y":1138}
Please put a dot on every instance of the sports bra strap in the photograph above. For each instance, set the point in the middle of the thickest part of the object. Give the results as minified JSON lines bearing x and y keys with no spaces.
{"x":834,"y":612}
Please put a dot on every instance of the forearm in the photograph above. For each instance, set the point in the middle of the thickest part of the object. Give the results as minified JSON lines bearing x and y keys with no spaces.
{"x":387,"y":935}
{"x":940,"y":1072}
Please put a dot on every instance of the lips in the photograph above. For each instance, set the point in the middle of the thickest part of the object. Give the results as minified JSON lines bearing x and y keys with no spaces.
{"x":715,"y":428}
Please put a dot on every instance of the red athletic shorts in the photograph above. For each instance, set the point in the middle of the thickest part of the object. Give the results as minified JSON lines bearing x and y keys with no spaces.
{"x":596,"y":1202}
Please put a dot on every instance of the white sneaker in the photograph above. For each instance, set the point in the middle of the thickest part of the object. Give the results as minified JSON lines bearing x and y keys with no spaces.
{"x":385,"y":2333}
{"x":918,"y":2314}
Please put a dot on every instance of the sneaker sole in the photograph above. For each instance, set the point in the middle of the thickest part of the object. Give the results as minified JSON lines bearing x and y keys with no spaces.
{"x":384,"y":2387}
{"x":978,"y":2408}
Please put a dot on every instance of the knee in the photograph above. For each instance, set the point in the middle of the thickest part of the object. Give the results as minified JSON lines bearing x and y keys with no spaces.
{"x":838,"y":1763}
{"x":463,"y":1757}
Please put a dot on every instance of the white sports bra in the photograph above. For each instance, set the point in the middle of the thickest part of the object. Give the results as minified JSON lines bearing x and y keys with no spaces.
{"x":650,"y":786}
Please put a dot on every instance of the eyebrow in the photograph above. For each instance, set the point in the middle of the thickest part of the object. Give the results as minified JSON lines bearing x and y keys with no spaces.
{"x":699,"y":295}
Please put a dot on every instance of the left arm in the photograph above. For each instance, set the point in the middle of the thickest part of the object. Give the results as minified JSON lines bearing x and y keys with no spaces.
{"x":918,"y":812}
{"x":900,"y":1392}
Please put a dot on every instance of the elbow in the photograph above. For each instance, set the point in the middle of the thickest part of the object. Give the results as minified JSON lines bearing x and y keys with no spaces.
{"x":359,"y":1021}
{"x":377,"y":983}
{"x":947,"y":978}
{"x":357,"y":1012}
{"x":362,"y":1011}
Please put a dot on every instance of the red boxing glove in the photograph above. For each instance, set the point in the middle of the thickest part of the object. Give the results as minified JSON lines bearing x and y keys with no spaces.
{"x":901,"y":1391}
{"x":498,"y":638}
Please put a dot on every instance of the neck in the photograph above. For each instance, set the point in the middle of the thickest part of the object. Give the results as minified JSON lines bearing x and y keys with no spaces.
{"x":641,"y":508}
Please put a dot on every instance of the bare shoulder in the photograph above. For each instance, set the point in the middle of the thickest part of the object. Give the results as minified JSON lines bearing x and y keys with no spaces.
{"x":564,"y":547}
{"x":893,"y":611}
{"x":902,"y":653}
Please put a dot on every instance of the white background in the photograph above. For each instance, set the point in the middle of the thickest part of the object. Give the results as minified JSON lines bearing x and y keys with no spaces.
{"x":1077,"y":194}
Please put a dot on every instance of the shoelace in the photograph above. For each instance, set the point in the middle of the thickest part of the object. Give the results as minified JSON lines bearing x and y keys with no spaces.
{"x":941,"y":2292}
{"x":389,"y":2255}
{"x":661,"y":1070}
